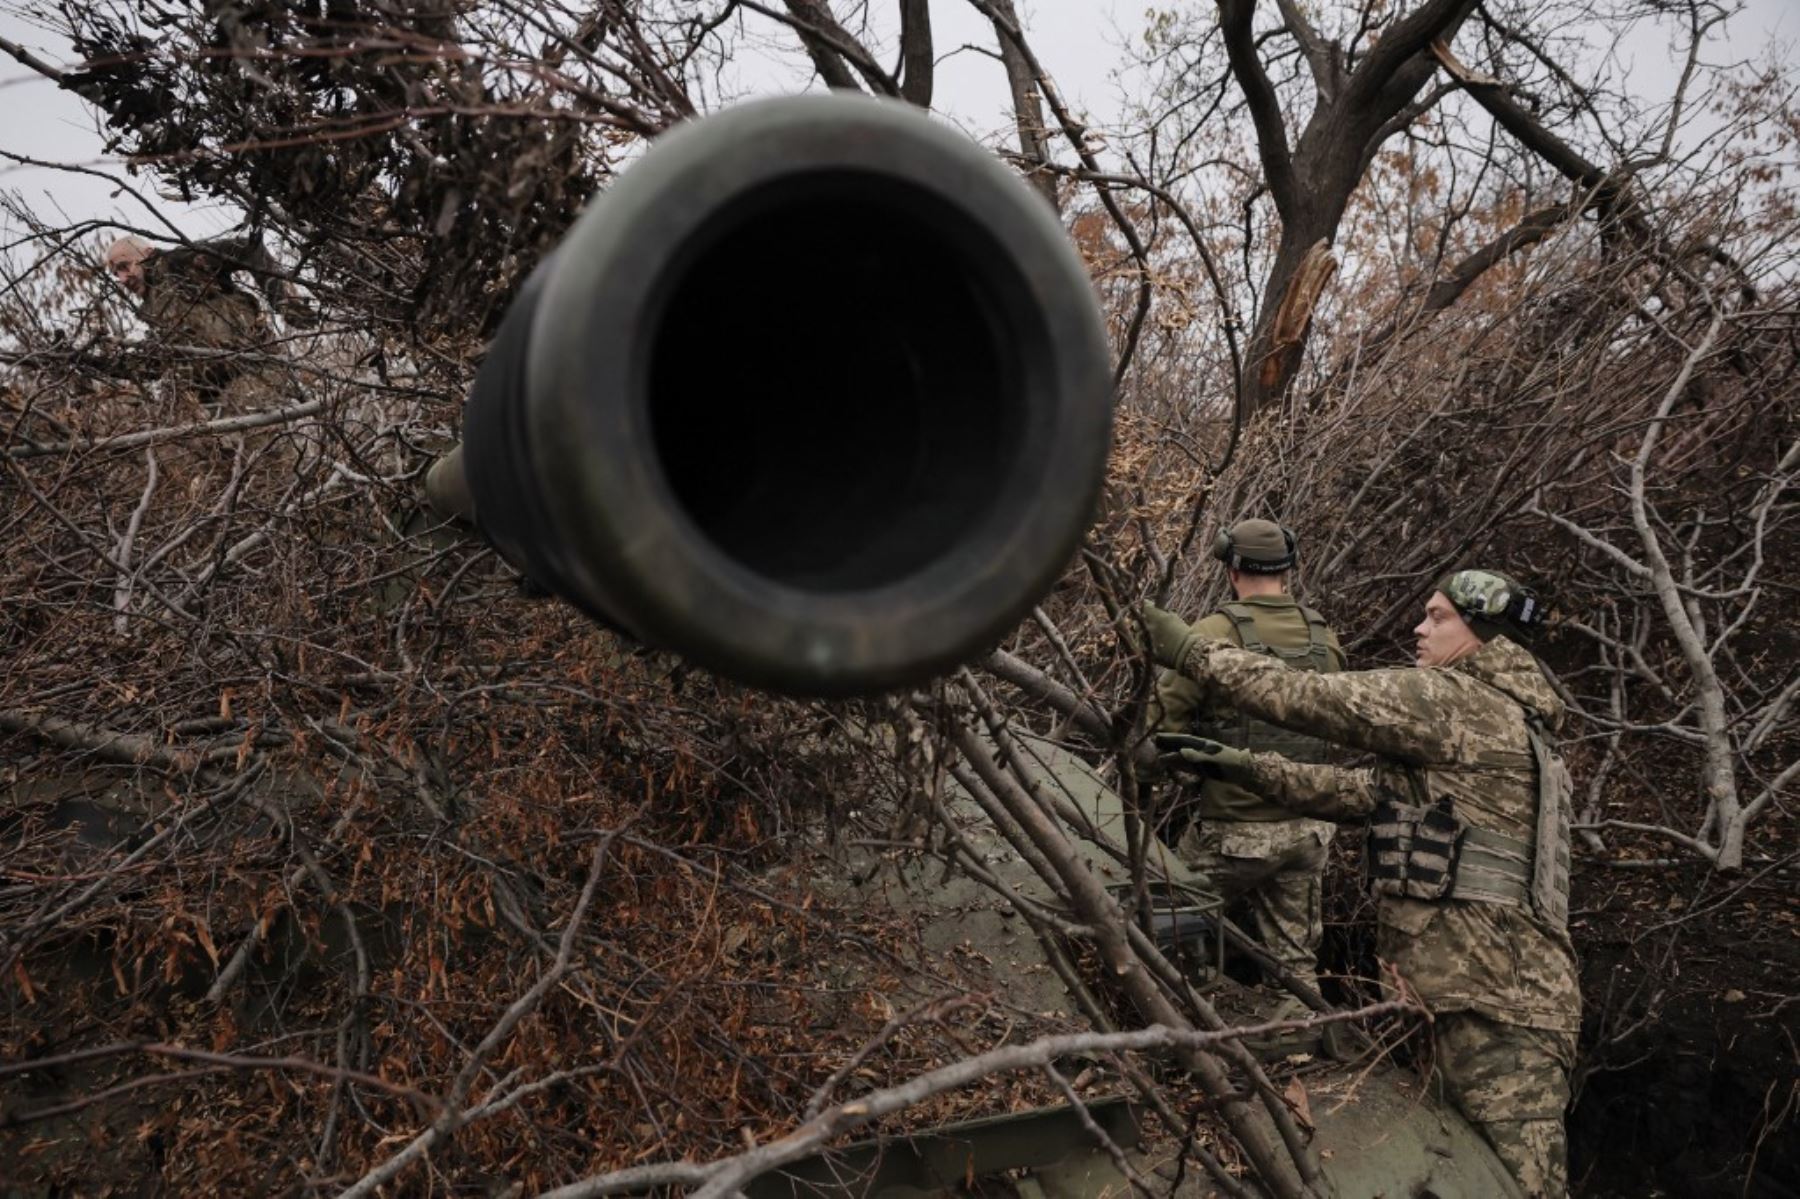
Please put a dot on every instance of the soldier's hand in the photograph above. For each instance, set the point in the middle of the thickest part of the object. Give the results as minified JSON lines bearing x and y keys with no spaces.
{"x":1170,"y":636}
{"x":1197,"y":755}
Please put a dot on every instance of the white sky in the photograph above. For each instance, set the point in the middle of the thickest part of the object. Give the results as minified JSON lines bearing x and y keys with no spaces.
{"x":1079,"y":42}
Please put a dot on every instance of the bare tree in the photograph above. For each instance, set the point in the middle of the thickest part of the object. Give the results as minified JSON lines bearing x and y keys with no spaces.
{"x":1326,"y":94}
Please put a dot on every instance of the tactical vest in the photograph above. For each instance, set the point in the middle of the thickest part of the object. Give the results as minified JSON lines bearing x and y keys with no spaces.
{"x":1244,"y":732}
{"x":1424,"y":850}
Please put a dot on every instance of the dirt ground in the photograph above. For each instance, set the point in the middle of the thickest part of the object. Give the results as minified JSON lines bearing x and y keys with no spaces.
{"x":1690,"y":1074}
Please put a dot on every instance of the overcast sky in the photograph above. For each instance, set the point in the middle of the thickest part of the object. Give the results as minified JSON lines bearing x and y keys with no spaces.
{"x":1079,"y":41}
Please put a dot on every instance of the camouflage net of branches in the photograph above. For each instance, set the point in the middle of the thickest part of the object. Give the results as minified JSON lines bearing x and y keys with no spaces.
{"x":296,"y":774}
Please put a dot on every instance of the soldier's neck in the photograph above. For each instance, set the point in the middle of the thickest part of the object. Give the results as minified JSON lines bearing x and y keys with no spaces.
{"x":1250,"y":586}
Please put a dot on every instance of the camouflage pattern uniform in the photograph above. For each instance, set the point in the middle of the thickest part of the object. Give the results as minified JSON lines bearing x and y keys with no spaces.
{"x":191,"y":301}
{"x":1499,"y":978}
{"x":1247,"y":846}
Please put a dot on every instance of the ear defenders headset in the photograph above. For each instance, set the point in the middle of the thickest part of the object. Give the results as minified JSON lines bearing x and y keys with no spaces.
{"x":1225,"y":550}
{"x":1489,"y":600}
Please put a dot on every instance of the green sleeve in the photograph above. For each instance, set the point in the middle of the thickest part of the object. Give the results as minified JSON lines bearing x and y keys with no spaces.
{"x":1406,"y":713}
{"x":1178,"y":699}
{"x":1327,"y":792}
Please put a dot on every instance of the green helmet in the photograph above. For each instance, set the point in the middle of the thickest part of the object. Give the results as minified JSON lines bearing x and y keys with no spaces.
{"x":1492,"y":603}
{"x":1259,"y":547}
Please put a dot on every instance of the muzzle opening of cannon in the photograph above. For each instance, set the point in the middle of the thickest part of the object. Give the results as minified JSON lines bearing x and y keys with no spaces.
{"x":834,"y":389}
{"x":816,"y":396}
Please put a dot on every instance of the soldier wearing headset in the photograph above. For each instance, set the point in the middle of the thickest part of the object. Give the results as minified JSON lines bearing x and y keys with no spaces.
{"x":1255,"y":850}
{"x":1468,"y":817}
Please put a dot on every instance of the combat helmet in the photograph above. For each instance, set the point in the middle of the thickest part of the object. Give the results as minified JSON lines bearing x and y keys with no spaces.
{"x":1258,"y":547}
{"x":1493,"y":603}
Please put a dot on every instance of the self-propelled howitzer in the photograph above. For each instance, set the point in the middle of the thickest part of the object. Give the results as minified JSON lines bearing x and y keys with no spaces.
{"x":817,"y":395}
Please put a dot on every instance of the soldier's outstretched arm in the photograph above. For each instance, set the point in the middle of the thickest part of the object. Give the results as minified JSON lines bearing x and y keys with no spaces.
{"x":1407,"y":713}
{"x":1307,"y":789}
{"x":1340,"y":793}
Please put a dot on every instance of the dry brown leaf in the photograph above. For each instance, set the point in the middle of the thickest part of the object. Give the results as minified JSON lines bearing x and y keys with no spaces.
{"x":1295,"y":1094}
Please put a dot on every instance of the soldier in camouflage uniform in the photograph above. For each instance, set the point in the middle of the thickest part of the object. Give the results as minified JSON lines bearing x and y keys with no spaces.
{"x":1248,"y":846}
{"x":189,"y":299}
{"x":1468,"y":813}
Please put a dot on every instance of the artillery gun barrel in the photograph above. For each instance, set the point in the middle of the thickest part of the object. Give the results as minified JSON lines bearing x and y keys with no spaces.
{"x":817,"y":395}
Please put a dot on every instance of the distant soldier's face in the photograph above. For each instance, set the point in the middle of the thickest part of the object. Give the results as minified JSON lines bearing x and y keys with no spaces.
{"x":125,"y":261}
{"x":1443,"y":636}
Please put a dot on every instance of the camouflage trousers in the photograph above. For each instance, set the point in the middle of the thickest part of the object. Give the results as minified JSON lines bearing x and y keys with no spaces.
{"x":1275,"y":866}
{"x":1512,"y":1082}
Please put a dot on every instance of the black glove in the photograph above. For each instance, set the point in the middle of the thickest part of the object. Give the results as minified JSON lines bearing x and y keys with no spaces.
{"x":1197,"y":755}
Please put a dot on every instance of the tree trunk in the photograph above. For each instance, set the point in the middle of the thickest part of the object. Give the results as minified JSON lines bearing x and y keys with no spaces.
{"x":1028,"y":104}
{"x":1301,"y":271}
{"x":1311,"y":182}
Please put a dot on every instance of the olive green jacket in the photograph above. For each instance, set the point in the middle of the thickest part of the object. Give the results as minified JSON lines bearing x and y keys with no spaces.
{"x":1180,"y":701}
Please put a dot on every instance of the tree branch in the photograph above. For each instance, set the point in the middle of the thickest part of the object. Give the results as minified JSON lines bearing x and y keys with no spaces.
{"x":222,"y":425}
{"x":1317,"y":51}
{"x":1719,"y":773}
{"x":1492,"y":95}
{"x":733,"y":1174}
{"x":454,"y":1115}
{"x":1235,"y":22}
{"x":830,"y":45}
{"x":1534,"y":228}
{"x":31,"y":60}
{"x":1411,"y":35}
{"x":917,"y":66}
